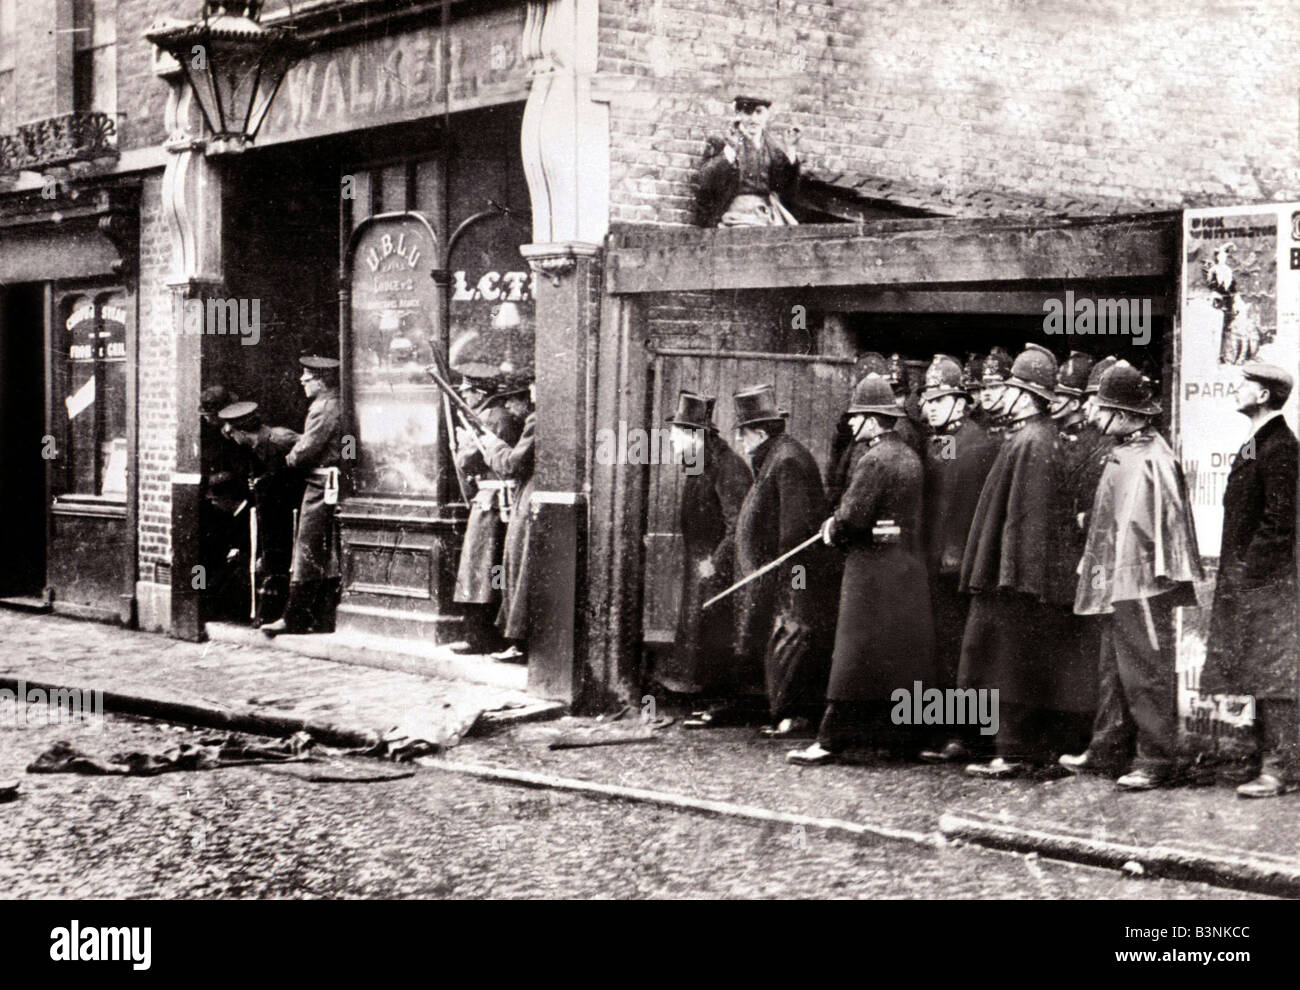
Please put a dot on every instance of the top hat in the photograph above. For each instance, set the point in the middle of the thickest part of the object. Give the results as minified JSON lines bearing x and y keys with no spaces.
{"x":748,"y":104}
{"x":1072,"y":376}
{"x":943,"y":377}
{"x":694,"y":412}
{"x":997,"y":367}
{"x":1034,"y":371}
{"x":1124,"y":387}
{"x":1278,"y":380}
{"x":757,"y":404}
{"x":1098,"y":369}
{"x":241,"y":416}
{"x":874,"y":395}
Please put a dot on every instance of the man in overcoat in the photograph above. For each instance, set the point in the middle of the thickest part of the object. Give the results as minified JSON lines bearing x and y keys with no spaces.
{"x":958,"y":456}
{"x":742,"y":184}
{"x":884,"y":639}
{"x":1254,"y":645}
{"x":490,"y":499}
{"x":703,"y":660}
{"x":316,"y":456}
{"x":1016,"y":639}
{"x":1139,"y":564}
{"x":782,"y":616}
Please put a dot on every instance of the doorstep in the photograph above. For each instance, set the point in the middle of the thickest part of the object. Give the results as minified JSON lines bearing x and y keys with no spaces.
{"x":382,"y":652}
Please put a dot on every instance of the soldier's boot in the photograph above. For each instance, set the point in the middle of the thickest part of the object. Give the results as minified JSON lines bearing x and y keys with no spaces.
{"x":297,"y":616}
{"x":324,"y":604}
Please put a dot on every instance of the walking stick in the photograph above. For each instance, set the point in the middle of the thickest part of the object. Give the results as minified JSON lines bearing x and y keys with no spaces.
{"x":815,"y":538}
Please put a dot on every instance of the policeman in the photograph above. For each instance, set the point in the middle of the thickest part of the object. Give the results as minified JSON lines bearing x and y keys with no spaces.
{"x":995,"y":373}
{"x":316,"y":455}
{"x":479,"y":578}
{"x":275,"y":493}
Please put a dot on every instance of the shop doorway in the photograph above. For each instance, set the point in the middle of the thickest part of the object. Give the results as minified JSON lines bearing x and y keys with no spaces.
{"x":22,"y":466}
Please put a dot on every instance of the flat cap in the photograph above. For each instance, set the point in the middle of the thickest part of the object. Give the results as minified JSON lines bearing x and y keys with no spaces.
{"x":1275,"y":377}
{"x":748,"y":104}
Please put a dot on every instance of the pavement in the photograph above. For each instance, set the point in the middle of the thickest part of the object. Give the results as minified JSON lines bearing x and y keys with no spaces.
{"x":1200,"y":834}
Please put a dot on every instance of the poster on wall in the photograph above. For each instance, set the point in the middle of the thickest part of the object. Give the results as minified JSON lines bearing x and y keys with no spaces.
{"x":1239,"y":302}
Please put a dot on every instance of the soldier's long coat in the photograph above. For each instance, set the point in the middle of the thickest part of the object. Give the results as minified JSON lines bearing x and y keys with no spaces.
{"x":788,"y":626}
{"x":1020,"y":634}
{"x":884,"y":638}
{"x":703,"y":657}
{"x":319,"y":446}
{"x":1254,"y":646}
{"x":516,"y":463}
{"x":481,"y":549}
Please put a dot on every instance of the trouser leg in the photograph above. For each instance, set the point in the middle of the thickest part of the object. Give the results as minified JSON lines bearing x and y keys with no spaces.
{"x":1277,"y":726}
{"x":1113,"y":727}
{"x":1144,"y":655}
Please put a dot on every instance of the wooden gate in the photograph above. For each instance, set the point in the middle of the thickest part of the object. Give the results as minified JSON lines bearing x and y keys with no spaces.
{"x":813,"y":388}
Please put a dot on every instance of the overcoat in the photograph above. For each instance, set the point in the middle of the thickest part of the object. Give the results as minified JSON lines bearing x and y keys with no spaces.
{"x":516,"y":463}
{"x":884,"y":638}
{"x":957,"y":460}
{"x":1254,"y":645}
{"x":703,"y":657}
{"x":480,"y":551}
{"x":319,"y":446}
{"x":762,"y":170}
{"x":782,"y":616}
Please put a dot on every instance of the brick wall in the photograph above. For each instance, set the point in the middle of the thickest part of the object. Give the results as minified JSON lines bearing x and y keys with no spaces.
{"x":142,"y":96}
{"x":157,"y":392}
{"x":1157,"y":104}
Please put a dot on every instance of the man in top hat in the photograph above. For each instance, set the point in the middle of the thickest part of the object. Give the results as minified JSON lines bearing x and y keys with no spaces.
{"x":491,"y":499}
{"x":275,"y":493}
{"x":1139,"y":564}
{"x":1016,"y":639}
{"x":1254,"y":645}
{"x":703,"y":660}
{"x":316,"y":456}
{"x":958,"y":457}
{"x":515,"y":462}
{"x":743,"y":184}
{"x":884,"y":639}
{"x":781,"y":616}
{"x":995,"y":370}
{"x":223,"y":526}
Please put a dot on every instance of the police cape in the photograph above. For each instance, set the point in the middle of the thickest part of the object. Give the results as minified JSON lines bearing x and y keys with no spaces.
{"x":1141,"y":542}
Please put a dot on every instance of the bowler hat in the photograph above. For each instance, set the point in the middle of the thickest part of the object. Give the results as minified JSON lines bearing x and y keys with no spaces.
{"x":1034,"y":371}
{"x":997,"y":366}
{"x":1099,"y":369}
{"x":1124,"y":387}
{"x":1277,"y":379}
{"x":241,"y":416}
{"x":943,"y":377}
{"x":757,"y":404}
{"x":1072,"y":376}
{"x":874,"y":395}
{"x":694,"y":411}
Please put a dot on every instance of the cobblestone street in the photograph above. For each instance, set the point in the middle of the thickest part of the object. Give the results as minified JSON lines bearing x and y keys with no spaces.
{"x":258,"y":832}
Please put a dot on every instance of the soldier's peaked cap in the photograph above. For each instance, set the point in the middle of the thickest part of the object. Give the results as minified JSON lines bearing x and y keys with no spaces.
{"x":1277,"y":379}
{"x":943,"y":377}
{"x":874,"y":395}
{"x":748,"y":104}
{"x":316,"y":362}
{"x":240,"y":415}
{"x":1034,"y":371}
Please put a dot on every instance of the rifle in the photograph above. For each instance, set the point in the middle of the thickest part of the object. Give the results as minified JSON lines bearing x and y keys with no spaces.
{"x":453,"y":397}
{"x":252,"y":561}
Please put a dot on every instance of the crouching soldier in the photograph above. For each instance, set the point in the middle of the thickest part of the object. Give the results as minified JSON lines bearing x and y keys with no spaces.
{"x":1254,"y":645}
{"x":884,"y":639}
{"x":781,"y":616}
{"x":276,"y":491}
{"x":703,"y":659}
{"x":316,"y":455}
{"x":1139,"y":564}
